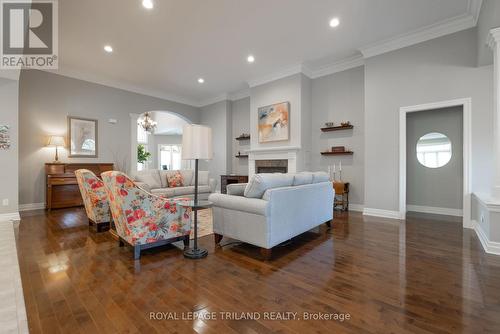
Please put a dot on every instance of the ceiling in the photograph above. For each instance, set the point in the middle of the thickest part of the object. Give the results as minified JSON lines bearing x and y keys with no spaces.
{"x":163,"y":51}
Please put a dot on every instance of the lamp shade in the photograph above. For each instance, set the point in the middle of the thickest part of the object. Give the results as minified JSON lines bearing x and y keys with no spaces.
{"x":57,"y":141}
{"x":196,"y":142}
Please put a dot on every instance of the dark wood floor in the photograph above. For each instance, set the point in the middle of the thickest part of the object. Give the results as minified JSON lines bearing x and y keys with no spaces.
{"x":422,"y":276}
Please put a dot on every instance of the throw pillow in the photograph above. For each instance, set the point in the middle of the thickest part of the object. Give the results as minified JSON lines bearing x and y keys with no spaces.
{"x":175,"y":180}
{"x":259,"y":183}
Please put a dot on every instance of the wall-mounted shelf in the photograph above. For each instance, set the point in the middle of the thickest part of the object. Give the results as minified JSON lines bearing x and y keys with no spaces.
{"x":337,"y":128}
{"x":241,"y":156}
{"x":338,"y":153}
{"x":243,"y":138}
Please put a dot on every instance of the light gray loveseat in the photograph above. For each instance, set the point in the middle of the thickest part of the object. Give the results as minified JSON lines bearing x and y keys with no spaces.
{"x":273,"y":208}
{"x":155,"y":182}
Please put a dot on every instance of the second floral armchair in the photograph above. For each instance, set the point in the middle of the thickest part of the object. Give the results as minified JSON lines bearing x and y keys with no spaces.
{"x":144,"y":220}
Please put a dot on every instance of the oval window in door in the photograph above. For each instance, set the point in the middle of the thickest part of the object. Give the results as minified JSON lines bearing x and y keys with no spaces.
{"x":434,"y":150}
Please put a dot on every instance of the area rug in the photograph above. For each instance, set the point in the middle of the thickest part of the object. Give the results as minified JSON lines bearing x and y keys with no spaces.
{"x":205,"y":225}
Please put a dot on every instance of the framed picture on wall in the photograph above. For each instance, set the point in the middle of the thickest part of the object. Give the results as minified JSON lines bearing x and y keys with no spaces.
{"x":82,"y":137}
{"x":274,"y":122}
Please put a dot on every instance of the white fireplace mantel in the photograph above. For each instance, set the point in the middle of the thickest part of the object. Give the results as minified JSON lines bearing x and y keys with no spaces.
{"x":274,"y":149}
{"x":273,"y":153}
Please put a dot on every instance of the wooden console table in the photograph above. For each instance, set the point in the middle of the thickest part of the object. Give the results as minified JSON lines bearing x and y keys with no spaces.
{"x":61,"y":186}
{"x":230,"y":179}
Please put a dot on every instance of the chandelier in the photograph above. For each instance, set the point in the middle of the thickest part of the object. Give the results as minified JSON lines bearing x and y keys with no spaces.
{"x":147,"y":123}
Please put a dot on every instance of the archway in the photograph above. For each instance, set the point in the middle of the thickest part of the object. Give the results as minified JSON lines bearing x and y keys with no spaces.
{"x":162,"y":146}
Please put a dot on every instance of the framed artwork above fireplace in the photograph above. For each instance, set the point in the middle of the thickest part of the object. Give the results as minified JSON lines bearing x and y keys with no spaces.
{"x":274,"y":122}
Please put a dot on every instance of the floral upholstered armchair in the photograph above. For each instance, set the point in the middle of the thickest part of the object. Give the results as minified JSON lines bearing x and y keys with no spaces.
{"x":95,"y":199}
{"x":144,"y":220}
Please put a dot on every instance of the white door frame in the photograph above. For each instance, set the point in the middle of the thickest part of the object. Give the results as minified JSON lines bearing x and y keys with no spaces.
{"x":466,"y":103}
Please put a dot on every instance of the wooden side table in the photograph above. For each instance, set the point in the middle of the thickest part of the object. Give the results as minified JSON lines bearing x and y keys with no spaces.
{"x":230,"y":179}
{"x":342,"y":191}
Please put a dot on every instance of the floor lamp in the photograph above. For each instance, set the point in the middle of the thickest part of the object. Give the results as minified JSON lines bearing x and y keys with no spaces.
{"x":196,"y":144}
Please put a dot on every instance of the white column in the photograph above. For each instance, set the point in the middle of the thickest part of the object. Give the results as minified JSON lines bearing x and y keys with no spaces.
{"x":494,"y":43}
{"x":133,"y":142}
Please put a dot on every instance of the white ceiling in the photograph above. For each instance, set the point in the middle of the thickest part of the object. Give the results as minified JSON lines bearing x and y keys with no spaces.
{"x":162,"y":52}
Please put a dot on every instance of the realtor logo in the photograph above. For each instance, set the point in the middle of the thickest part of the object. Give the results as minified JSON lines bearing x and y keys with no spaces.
{"x":29,"y":36}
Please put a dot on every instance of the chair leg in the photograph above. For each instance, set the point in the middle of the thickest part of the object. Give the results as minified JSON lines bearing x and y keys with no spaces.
{"x":218,"y":238}
{"x":186,"y":241}
{"x":266,"y":253}
{"x":137,"y":252}
{"x":120,"y":243}
{"x":329,"y":223}
{"x":102,"y":227}
{"x":91,"y":222}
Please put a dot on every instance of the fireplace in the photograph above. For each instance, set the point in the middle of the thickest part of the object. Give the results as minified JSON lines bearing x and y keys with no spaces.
{"x":271,"y":166}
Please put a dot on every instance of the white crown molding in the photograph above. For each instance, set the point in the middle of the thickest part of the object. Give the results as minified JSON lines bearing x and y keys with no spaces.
{"x":338,"y":66}
{"x":292,"y":70}
{"x":420,"y":35}
{"x":382,"y":213}
{"x":474,"y":9}
{"x":435,"y":210}
{"x":241,"y":94}
{"x":75,"y":74}
{"x":31,"y":207}
{"x":489,"y":246}
{"x":207,"y":102}
{"x":10,"y":217}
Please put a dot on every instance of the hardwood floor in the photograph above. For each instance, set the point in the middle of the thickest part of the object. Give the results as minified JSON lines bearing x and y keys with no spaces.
{"x":422,"y":276}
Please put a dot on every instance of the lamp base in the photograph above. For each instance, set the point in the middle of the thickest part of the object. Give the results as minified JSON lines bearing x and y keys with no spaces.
{"x":195,"y":253}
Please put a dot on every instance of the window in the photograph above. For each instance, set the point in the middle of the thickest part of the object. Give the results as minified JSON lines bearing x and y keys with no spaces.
{"x":170,"y":157}
{"x":434,"y":150}
{"x":142,"y":138}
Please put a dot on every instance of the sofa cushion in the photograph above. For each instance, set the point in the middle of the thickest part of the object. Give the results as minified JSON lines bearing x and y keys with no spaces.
{"x":187,"y":175}
{"x":175,"y":179}
{"x":259,"y":183}
{"x":167,"y":192}
{"x":150,"y":177}
{"x":202,"y":178}
{"x":189,"y":190}
{"x":236,"y":189}
{"x":319,"y":177}
{"x":238,"y":203}
{"x":302,"y":178}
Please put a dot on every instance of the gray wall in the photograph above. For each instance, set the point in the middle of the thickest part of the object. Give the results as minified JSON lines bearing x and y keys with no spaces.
{"x":218,"y":117}
{"x":282,"y":90}
{"x":437,"y":70}
{"x":241,"y":124}
{"x":340,"y":97}
{"x":9,"y":90}
{"x":435,"y":187}
{"x":489,"y":18}
{"x":46,"y":100}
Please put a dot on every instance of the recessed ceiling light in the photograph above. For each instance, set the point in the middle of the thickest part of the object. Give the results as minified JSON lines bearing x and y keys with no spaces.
{"x":201,"y":80}
{"x":108,"y":48}
{"x":250,"y":59}
{"x":148,"y":4}
{"x":334,"y":22}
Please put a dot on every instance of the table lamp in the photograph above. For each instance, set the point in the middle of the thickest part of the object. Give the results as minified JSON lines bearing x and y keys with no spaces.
{"x":56,"y":141}
{"x":196,"y":144}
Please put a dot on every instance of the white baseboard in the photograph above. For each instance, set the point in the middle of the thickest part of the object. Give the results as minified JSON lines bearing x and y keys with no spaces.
{"x":10,"y":217}
{"x":489,"y":247}
{"x":356,"y":207}
{"x":435,"y":210}
{"x":382,"y":213}
{"x":31,"y":206}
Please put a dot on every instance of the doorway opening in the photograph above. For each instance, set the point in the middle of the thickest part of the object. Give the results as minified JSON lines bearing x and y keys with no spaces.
{"x":160,"y":147}
{"x":434,"y":159}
